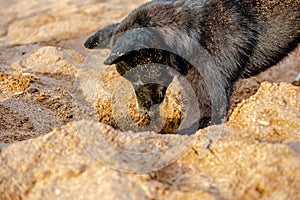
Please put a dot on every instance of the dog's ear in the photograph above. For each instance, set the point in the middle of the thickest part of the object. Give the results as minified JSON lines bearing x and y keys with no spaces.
{"x":101,"y":39}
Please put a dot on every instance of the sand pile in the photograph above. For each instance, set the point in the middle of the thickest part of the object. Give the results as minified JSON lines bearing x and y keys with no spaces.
{"x":54,"y":93}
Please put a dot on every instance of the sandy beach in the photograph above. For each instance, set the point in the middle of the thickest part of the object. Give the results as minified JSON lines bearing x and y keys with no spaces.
{"x":62,"y":135}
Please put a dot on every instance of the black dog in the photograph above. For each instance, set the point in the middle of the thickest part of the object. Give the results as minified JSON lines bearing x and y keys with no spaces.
{"x":212,"y":43}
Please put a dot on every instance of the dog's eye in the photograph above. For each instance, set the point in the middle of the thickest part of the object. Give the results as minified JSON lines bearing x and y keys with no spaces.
{"x":160,"y":95}
{"x":96,"y":43}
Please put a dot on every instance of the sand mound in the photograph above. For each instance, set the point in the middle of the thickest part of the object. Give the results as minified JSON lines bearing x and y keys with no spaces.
{"x":54,"y":94}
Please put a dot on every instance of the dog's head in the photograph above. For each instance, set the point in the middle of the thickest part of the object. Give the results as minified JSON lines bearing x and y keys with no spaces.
{"x":145,"y":51}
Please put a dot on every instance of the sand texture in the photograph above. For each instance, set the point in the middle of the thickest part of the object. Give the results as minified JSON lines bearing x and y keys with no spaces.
{"x":69,"y":128}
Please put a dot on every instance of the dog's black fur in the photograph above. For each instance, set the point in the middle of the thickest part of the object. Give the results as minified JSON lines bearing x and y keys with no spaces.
{"x":212,"y":43}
